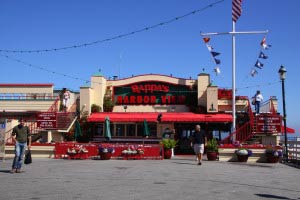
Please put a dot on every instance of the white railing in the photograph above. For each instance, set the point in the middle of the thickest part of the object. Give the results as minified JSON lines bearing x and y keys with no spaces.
{"x":294,"y":149}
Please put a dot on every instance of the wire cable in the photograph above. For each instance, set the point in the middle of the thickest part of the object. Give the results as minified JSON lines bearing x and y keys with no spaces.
{"x":117,"y":36}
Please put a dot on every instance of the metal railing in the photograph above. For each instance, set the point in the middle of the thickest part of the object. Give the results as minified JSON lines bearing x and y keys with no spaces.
{"x":28,"y":97}
{"x":293,"y":144}
{"x":244,"y":132}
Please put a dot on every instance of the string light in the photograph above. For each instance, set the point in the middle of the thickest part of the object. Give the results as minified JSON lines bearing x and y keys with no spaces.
{"x":115,"y":37}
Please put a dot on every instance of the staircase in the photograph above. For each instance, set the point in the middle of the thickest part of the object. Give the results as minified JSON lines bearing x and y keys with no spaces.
{"x":257,"y":126}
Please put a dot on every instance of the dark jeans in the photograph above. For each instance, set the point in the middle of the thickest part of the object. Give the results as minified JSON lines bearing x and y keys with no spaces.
{"x":19,"y":155}
{"x":257,"y":106}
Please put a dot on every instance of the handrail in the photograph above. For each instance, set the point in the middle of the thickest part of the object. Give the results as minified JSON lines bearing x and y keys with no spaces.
{"x":25,"y":97}
{"x":53,"y":107}
{"x":68,"y":129}
{"x":242,"y":133}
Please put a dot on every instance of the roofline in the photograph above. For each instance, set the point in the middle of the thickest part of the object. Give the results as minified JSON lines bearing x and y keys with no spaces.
{"x":152,"y":75}
{"x":26,"y":84}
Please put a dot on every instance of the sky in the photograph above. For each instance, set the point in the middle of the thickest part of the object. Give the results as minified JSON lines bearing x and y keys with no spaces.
{"x":173,"y":48}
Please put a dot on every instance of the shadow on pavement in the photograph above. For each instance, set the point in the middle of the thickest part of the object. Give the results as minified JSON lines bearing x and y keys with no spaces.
{"x":5,"y":171}
{"x":270,"y":196}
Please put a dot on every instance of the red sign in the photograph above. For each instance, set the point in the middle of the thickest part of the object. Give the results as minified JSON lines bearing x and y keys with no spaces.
{"x":46,"y":120}
{"x":268,"y":124}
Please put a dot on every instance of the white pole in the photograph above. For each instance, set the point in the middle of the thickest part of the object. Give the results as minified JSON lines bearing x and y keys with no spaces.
{"x":233,"y":79}
{"x":235,"y":32}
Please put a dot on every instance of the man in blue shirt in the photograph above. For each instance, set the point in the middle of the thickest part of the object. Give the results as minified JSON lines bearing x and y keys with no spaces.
{"x":199,"y":140}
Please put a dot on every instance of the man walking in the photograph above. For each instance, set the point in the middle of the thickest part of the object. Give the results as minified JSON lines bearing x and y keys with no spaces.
{"x":199,"y":140}
{"x":20,"y":136}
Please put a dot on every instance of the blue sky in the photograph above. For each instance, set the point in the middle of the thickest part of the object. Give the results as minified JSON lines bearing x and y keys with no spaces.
{"x":176,"y":48}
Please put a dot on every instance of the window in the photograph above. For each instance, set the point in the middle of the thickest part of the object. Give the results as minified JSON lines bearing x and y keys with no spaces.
{"x":130,"y":130}
{"x":140,"y":130}
{"x":152,"y":128}
{"x":99,"y":130}
{"x":120,"y":130}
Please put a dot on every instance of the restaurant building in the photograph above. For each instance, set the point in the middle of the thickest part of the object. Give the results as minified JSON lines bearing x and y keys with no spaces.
{"x":165,"y":102}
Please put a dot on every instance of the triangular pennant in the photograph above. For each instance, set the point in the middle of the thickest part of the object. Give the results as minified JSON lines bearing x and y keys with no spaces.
{"x":214,"y":54}
{"x":206,"y":40}
{"x":258,"y":64}
{"x":209,"y":47}
{"x":217,"y":61}
{"x":217,"y":71}
{"x":262,"y":55}
{"x":264,"y":44}
{"x":253,"y":72}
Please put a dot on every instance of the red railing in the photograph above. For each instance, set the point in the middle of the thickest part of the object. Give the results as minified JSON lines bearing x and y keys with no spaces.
{"x":150,"y":151}
{"x":54,"y":106}
{"x":244,"y":132}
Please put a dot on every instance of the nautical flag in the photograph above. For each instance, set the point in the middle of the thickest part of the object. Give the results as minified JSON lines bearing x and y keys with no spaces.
{"x":236,"y":9}
{"x":210,"y":48}
{"x":259,"y":64}
{"x":214,"y":54}
{"x":264,"y":44}
{"x":217,"y":61}
{"x":217,"y":70}
{"x":262,"y":55}
{"x":253,"y":72}
{"x":206,"y":40}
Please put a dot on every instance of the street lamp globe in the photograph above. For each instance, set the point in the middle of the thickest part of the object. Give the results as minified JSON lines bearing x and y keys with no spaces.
{"x":282,"y":72}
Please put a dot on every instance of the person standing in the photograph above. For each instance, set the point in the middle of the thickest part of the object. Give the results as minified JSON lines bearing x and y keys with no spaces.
{"x":258,"y":98}
{"x":66,"y":97}
{"x":20,"y":136}
{"x":199,"y":140}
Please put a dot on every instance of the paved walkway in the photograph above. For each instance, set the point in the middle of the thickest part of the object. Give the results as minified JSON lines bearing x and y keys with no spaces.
{"x":179,"y":178}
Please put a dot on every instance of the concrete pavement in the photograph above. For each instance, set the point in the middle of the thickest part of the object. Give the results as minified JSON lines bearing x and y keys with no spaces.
{"x":179,"y":178}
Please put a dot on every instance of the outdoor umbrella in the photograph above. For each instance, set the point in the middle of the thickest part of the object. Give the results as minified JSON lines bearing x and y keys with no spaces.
{"x":107,"y":133}
{"x":77,"y":130}
{"x":146,"y":129}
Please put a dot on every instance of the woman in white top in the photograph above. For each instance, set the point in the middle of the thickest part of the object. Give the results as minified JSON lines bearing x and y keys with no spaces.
{"x":258,"y":98}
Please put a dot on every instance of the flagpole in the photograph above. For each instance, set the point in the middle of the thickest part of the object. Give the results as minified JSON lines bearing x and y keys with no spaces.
{"x":233,"y":79}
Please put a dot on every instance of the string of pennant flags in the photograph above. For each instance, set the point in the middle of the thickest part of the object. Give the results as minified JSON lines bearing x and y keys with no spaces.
{"x":213,"y":54}
{"x":258,"y":64}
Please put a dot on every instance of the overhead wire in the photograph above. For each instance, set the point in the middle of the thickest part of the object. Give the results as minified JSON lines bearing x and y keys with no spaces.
{"x":114,"y":37}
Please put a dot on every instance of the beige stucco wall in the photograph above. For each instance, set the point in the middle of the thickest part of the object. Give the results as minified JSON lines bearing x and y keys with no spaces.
{"x":212,"y":99}
{"x":151,"y":77}
{"x":86,"y":99}
{"x":98,"y":84}
{"x":26,"y":89}
{"x":203,"y":82}
{"x":25,"y":105}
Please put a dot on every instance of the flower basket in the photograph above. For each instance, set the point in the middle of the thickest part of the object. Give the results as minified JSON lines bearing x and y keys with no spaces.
{"x":167,"y":153}
{"x":105,"y":156}
{"x":242,"y":158}
{"x":243,"y":154}
{"x":273,"y":155}
{"x":212,"y":156}
{"x":106,"y":151}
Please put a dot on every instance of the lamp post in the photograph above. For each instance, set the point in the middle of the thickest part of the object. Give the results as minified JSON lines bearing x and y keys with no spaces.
{"x":282,"y":74}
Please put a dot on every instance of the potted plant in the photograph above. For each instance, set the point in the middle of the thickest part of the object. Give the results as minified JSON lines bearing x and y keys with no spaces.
{"x":243,"y":154}
{"x":212,"y":149}
{"x":273,"y":155}
{"x":106,"y":151}
{"x":168,"y":145}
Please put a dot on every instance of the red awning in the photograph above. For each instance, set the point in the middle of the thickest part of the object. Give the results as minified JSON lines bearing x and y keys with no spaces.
{"x":288,"y":130}
{"x":166,"y":117}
